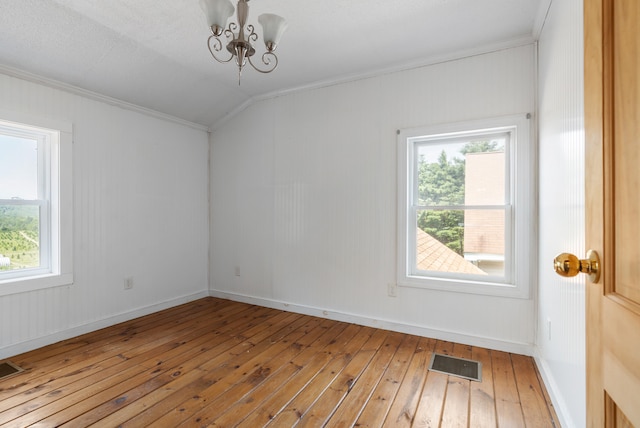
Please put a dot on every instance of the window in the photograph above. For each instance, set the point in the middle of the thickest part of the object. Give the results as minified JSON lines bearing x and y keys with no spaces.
{"x":465,"y":219}
{"x":35,"y":205}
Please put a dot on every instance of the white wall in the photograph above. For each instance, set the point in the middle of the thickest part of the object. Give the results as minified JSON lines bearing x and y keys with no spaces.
{"x":561,"y":301}
{"x":140,"y":210}
{"x":303,"y":191}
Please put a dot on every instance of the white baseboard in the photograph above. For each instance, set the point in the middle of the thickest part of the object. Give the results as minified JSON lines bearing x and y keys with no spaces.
{"x":450,"y":336}
{"x":29,"y":345}
{"x":558,"y":402}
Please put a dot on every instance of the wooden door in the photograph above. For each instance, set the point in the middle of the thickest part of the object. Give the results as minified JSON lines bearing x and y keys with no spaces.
{"x":612,"y":122}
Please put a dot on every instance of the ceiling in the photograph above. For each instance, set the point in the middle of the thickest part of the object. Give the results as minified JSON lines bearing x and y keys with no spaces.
{"x":153,"y":53}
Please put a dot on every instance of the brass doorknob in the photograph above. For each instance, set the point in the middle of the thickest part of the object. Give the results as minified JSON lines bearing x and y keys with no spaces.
{"x":566,"y":264}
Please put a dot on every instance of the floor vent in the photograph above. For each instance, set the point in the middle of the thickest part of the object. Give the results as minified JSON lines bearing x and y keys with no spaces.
{"x":7,"y":369}
{"x":467,"y":369}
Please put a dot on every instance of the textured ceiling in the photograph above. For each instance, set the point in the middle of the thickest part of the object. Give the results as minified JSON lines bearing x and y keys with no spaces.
{"x":153,"y":53}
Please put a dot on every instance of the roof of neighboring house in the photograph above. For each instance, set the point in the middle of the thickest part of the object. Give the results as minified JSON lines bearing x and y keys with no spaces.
{"x":431,"y":254}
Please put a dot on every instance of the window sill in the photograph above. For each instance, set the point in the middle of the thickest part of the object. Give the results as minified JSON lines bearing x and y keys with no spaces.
{"x":32,"y":283}
{"x":469,"y":287}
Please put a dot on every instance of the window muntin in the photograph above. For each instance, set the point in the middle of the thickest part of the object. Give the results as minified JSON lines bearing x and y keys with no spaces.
{"x":35,"y":205}
{"x":469,"y":227}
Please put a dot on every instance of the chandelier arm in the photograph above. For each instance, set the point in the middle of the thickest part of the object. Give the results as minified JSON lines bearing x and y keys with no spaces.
{"x":217,"y":46}
{"x":266,"y":60}
{"x":252,"y":34}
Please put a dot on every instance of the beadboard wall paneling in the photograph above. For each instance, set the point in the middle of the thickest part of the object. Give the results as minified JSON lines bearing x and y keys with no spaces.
{"x":140,"y":210}
{"x":561,"y":324}
{"x":303,"y":191}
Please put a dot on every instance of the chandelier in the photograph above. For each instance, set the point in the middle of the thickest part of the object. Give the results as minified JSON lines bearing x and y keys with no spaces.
{"x":238,"y":37}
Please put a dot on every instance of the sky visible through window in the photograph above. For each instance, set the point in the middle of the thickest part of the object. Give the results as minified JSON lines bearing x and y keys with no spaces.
{"x":430,"y":153}
{"x":18,"y":168}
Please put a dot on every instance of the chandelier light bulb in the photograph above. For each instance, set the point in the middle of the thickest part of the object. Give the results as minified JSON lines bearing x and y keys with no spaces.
{"x":273,"y":26}
{"x":217,"y":13}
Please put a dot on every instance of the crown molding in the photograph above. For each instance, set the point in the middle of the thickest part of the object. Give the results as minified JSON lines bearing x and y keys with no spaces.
{"x":541,"y":18}
{"x":55,"y":84}
{"x":424,"y":62}
{"x":230,"y":115}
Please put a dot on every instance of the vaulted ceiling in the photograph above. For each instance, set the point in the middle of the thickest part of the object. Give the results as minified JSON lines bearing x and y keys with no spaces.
{"x":153,"y":53}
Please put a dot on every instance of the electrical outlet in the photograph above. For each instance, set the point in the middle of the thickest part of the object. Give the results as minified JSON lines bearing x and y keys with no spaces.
{"x":392,"y":290}
{"x":128,"y":283}
{"x":237,"y":270}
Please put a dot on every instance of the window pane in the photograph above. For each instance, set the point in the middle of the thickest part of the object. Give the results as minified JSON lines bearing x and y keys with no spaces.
{"x":484,"y":240}
{"x":18,"y":168}
{"x":19,"y":237}
{"x":461,"y":171}
{"x":461,"y":241}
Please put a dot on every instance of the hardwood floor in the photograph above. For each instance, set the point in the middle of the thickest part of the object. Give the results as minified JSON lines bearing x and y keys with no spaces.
{"x":221,"y":363}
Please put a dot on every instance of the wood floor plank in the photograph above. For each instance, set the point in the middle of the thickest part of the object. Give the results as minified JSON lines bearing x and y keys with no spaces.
{"x":228,"y":373}
{"x":366,"y":391}
{"x":64,"y":346}
{"x":508,"y":406}
{"x":118,"y":332}
{"x":113,"y":391}
{"x":377,"y":407}
{"x":455,"y":413}
{"x":79,"y":376}
{"x":404,"y":407}
{"x":258,"y":397}
{"x":185,"y":373}
{"x":19,"y":405}
{"x":320,"y":353}
{"x":308,"y":345}
{"x":53,"y":409}
{"x":547,"y":398}
{"x":482,"y":406}
{"x":532,"y":400}
{"x":214,"y":362}
{"x":429,"y":412}
{"x":156,"y":404}
{"x":184,"y":386}
{"x":248,"y":376}
{"x":213,"y":370}
{"x":356,"y":375}
{"x":81,"y":388}
{"x":39,"y":380}
{"x":350,"y":344}
{"x":354,"y":349}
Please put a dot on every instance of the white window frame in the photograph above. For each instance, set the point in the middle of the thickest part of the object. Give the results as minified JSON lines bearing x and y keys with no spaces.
{"x":520,"y":216}
{"x":55,"y":198}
